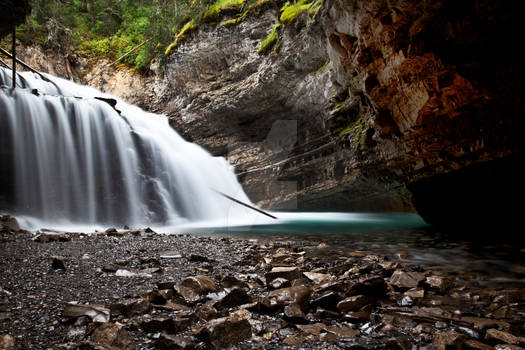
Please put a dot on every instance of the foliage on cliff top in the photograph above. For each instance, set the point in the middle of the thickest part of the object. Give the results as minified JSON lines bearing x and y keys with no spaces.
{"x":109,"y":29}
{"x":290,"y":11}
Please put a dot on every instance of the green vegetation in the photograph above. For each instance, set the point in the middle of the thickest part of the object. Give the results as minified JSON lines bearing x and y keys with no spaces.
{"x":139,"y":31}
{"x":290,"y":11}
{"x":220,"y":6}
{"x":270,"y":41}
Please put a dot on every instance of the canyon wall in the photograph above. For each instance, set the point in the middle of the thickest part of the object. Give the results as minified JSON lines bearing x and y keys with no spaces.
{"x":369,"y":105}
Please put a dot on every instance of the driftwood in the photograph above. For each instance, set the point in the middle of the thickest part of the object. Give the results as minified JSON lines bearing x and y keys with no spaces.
{"x":246,"y":205}
{"x":4,"y":63}
{"x":127,"y":53}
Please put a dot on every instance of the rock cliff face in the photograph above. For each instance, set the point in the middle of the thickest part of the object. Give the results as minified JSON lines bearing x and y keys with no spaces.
{"x":371,"y":105}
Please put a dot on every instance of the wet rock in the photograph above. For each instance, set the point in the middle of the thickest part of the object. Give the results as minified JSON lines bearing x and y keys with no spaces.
{"x":328,"y":300}
{"x":169,"y":306}
{"x":9,"y":223}
{"x":235,"y":297}
{"x":352,"y":303}
{"x":185,"y":295}
{"x":112,"y":334}
{"x":372,"y":287}
{"x":233,"y":281}
{"x":317,"y":277}
{"x":166,"y":284}
{"x":496,"y":336}
{"x":279,"y":283}
{"x":314,"y":329}
{"x":170,"y":342}
{"x":199,"y":284}
{"x":51,"y":237}
{"x":198,"y":258}
{"x":356,"y":317}
{"x":286,"y":296}
{"x":58,"y":263}
{"x":168,"y":325}
{"x":323,"y":314}
{"x":415,"y":293}
{"x":294,"y":339}
{"x":130,"y":307}
{"x":294,"y":313}
{"x":406,"y":280}
{"x":471,"y":344}
{"x":448,"y":340}
{"x":226,"y":331}
{"x":110,"y":268}
{"x":97,"y":313}
{"x":7,"y":342}
{"x":439,"y":283}
{"x":288,"y":273}
{"x":343,"y":332}
{"x":155,"y":297}
{"x":207,"y":311}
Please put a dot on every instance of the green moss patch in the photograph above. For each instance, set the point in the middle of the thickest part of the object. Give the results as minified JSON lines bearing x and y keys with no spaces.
{"x":270,"y":41}
{"x":222,"y":6}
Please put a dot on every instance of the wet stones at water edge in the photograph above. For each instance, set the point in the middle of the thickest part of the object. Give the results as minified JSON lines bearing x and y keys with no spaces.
{"x":257,"y":294}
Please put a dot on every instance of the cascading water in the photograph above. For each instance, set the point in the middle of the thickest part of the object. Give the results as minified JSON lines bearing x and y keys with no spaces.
{"x":68,"y":156}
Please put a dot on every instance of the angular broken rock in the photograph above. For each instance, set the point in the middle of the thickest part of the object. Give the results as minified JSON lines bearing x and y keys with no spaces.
{"x":314,"y":329}
{"x":293,"y":312}
{"x":235,"y":297}
{"x":327,"y":300}
{"x":199,"y":284}
{"x":226,"y":331}
{"x":286,"y":296}
{"x":168,"y":325}
{"x":167,"y":341}
{"x":495,"y":336}
{"x":406,"y":280}
{"x":374,"y":287}
{"x":448,"y":340}
{"x":51,"y":237}
{"x":279,"y":282}
{"x":439,"y":283}
{"x":317,"y":277}
{"x":112,"y":334}
{"x":185,"y":295}
{"x":97,"y":313}
{"x":352,"y":303}
{"x":288,"y":273}
{"x":58,"y":263}
{"x":130,"y":307}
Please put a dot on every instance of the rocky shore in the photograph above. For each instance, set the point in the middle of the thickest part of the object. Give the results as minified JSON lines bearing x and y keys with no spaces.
{"x":137,"y":289}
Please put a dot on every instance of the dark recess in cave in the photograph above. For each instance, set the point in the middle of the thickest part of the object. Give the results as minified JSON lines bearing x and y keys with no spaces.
{"x":484,"y":196}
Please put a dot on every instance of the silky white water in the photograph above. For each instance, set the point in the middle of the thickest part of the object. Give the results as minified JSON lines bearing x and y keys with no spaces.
{"x":73,"y":159}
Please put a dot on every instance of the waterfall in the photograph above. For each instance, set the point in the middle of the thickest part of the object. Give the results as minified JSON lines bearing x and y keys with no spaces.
{"x":67,"y":156}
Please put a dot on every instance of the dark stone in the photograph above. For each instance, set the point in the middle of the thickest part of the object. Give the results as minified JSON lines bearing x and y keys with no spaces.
{"x":327,"y":300}
{"x":235,"y":297}
{"x":224,"y":332}
{"x":168,"y":325}
{"x":58,"y":263}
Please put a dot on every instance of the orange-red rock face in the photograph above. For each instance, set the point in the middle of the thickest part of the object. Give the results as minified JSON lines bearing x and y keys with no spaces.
{"x":443,"y":77}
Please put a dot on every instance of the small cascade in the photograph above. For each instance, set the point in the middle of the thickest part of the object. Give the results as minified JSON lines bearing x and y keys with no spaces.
{"x":67,"y":155}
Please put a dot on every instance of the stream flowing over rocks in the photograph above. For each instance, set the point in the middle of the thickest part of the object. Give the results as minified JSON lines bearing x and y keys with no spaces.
{"x":137,"y":289}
